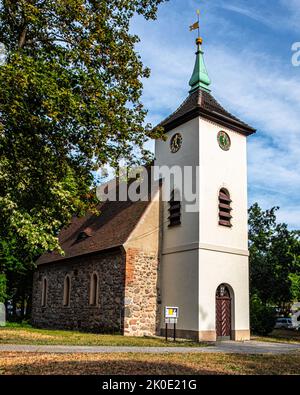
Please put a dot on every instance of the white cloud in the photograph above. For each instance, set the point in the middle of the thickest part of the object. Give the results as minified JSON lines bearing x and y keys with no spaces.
{"x":259,"y":90}
{"x":249,"y":13}
{"x":292,"y":22}
{"x":264,"y":12}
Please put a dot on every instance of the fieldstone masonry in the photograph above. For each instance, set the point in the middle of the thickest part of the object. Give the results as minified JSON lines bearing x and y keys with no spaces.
{"x":106,"y":316}
{"x":128,"y":297}
{"x":142,"y":299}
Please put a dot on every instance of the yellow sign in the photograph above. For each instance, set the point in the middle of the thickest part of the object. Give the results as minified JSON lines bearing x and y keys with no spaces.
{"x":171,"y":312}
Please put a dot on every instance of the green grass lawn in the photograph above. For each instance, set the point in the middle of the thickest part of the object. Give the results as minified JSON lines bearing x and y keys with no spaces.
{"x":280,"y":336}
{"x":25,"y":334}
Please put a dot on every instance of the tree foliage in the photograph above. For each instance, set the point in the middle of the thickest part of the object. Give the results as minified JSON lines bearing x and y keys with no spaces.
{"x":70,"y":101}
{"x":274,"y":259}
{"x":262,"y":317}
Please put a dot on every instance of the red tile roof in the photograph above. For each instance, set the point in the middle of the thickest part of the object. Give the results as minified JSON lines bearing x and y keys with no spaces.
{"x":109,"y":229}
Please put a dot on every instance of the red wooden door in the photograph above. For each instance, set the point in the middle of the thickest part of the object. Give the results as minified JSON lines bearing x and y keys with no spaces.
{"x":223,"y":316}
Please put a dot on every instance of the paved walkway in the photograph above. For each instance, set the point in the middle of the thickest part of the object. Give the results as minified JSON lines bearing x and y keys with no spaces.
{"x":251,"y":347}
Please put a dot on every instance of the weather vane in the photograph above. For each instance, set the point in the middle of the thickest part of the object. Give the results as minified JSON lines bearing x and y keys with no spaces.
{"x":196,"y":25}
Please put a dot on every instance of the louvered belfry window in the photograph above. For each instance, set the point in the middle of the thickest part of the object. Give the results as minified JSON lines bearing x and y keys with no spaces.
{"x":174,"y":211}
{"x":225,"y":208}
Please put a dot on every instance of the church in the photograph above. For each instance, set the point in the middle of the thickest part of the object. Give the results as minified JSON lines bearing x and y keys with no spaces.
{"x":122,"y":268}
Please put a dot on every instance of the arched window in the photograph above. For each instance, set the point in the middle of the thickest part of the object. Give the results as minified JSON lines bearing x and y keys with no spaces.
{"x":44,"y":292}
{"x":67,"y":290}
{"x":223,"y":291}
{"x":174,"y":209}
{"x":225,"y":208}
{"x":94,"y":289}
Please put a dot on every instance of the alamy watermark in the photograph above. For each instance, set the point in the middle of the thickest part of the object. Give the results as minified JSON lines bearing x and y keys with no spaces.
{"x":296,"y":55}
{"x":142,"y":184}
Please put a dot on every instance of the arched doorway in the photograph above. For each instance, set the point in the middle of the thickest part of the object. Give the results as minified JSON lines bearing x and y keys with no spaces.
{"x":223,"y":312}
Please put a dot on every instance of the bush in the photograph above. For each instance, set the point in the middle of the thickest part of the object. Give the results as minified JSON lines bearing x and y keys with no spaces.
{"x":262,"y":317}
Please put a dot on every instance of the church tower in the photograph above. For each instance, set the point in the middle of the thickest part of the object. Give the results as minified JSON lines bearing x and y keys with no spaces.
{"x":204,"y":267}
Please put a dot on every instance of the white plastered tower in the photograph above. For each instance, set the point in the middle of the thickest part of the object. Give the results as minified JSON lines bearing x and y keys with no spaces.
{"x":204,"y":258}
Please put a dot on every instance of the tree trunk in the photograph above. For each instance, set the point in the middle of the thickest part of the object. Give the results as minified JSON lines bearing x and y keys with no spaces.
{"x":14,"y":308}
{"x":28,"y":307}
{"x":22,"y":38}
{"x":22,"y":311}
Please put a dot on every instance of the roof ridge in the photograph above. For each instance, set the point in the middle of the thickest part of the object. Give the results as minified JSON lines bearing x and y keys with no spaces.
{"x":202,"y":103}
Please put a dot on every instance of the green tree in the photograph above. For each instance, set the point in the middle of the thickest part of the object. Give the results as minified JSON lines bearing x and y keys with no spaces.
{"x":70,"y":102}
{"x":262,"y":317}
{"x":274,"y":259}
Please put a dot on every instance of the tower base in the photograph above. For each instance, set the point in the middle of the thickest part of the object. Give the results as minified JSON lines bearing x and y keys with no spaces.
{"x":205,"y":336}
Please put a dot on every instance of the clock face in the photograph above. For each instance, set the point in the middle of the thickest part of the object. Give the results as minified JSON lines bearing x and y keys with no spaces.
{"x":224,"y":141}
{"x":175,"y":143}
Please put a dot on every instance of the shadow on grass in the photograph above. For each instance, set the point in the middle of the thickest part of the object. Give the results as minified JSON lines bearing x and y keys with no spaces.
{"x":14,"y":363}
{"x":105,"y":367}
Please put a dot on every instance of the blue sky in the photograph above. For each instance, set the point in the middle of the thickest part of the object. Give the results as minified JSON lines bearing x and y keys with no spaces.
{"x":248,"y":55}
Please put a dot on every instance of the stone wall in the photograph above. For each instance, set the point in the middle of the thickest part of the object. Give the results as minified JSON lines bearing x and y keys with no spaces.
{"x":128,"y":297}
{"x":106,"y":316}
{"x":142,"y":299}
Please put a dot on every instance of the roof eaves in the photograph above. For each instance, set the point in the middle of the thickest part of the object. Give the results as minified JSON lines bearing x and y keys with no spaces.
{"x":229,"y":122}
{"x":211,"y":116}
{"x":62,"y":259}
